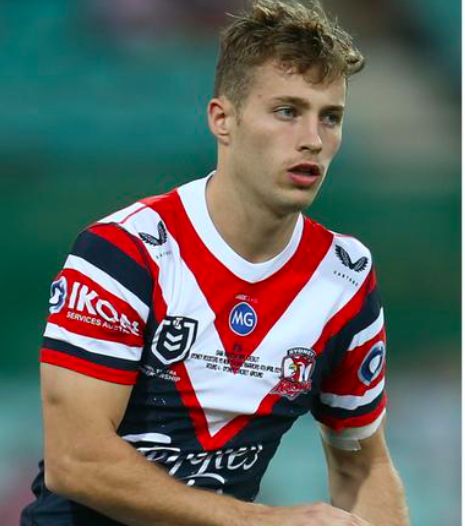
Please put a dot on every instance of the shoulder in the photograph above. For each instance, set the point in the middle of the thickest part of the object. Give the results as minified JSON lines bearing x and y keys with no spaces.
{"x":121,"y":243}
{"x":147,"y":213}
{"x":144,"y":223}
{"x":141,"y":214}
{"x":352,"y":252}
{"x":156,"y":221}
{"x":344,"y":263}
{"x":349,"y":250}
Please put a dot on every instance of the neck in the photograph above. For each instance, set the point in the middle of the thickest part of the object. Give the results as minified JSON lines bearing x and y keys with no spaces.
{"x":251,"y":229}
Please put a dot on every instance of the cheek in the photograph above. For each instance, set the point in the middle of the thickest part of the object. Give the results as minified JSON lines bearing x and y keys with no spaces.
{"x":259,"y":135}
{"x":257,"y":143}
{"x":334,"y":143}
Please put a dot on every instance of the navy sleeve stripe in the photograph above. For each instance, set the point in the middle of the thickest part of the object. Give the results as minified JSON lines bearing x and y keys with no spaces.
{"x":341,"y":413}
{"x":107,"y":361}
{"x":102,"y":254}
{"x":337,"y":345}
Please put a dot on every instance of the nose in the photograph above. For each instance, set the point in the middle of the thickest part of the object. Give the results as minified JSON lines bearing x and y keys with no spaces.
{"x":310,"y":137}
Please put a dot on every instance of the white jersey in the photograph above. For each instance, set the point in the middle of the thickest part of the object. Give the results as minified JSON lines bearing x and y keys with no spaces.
{"x":223,"y":354}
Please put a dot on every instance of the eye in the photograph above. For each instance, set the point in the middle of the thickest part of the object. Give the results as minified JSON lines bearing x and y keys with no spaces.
{"x":332,"y":119}
{"x":286,"y":113}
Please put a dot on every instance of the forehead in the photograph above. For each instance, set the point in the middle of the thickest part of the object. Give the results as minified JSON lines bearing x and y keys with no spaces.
{"x":270,"y":81}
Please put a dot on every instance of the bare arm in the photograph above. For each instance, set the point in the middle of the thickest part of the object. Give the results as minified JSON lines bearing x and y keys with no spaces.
{"x":86,"y":461}
{"x":366,"y":483}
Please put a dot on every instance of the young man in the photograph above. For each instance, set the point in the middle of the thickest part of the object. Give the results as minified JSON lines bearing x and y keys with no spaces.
{"x":188,"y":331}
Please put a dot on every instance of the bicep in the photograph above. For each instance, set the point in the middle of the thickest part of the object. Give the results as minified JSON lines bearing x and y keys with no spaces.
{"x":78,"y":408}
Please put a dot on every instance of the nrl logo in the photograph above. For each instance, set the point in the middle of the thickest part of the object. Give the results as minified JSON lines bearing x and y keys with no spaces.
{"x":296,"y":371}
{"x":174,"y":338}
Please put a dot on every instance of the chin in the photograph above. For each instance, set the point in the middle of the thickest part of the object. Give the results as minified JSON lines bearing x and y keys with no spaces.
{"x":294,"y":204}
{"x":300,"y":199}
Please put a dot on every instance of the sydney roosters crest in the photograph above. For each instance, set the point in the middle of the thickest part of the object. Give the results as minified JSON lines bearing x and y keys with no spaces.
{"x":296,"y":373}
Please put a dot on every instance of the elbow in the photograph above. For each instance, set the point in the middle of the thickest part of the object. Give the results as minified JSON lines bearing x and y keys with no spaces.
{"x":74,"y":469}
{"x":57,"y":476}
{"x":73,"y":472}
{"x":62,"y":476}
{"x":53,"y":482}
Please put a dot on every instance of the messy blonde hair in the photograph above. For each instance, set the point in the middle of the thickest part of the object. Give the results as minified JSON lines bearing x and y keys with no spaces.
{"x":296,"y":34}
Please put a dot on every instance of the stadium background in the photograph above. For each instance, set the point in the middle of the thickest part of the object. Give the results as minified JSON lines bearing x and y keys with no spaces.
{"x":103,"y":102}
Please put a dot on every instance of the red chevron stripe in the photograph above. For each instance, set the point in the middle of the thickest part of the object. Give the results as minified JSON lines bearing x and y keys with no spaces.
{"x":198,"y":418}
{"x":223,"y":289}
{"x":220,"y":286}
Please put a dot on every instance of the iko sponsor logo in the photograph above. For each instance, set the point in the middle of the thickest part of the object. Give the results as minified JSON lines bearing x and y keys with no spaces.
{"x":243,"y":319}
{"x":174,"y":338}
{"x":58,"y":291}
{"x":344,"y":257}
{"x":85,"y":301}
{"x":372,"y":364}
{"x":202,"y":469}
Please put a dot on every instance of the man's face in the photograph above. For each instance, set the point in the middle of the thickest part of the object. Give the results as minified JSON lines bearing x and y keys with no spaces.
{"x":284,"y":138}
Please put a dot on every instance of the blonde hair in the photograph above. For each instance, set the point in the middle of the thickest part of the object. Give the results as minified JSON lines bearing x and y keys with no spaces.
{"x":296,"y":34}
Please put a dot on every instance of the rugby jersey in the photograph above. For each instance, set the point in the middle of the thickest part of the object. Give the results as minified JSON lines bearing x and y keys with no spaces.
{"x":223,"y":354}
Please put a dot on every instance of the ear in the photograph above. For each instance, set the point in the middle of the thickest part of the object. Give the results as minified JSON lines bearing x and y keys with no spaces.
{"x":221,"y":118}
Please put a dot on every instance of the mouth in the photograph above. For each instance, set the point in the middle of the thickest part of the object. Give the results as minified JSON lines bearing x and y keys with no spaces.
{"x":304,"y":174}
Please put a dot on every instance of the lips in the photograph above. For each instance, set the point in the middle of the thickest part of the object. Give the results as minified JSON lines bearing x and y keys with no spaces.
{"x":304,"y":174}
{"x":306,"y":169}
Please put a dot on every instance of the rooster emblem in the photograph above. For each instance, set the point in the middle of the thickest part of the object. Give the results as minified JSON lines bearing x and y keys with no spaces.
{"x":296,"y":372}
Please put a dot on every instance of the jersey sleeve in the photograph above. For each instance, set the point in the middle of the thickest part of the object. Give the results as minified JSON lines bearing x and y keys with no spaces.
{"x":352,"y":395}
{"x":99,"y":307}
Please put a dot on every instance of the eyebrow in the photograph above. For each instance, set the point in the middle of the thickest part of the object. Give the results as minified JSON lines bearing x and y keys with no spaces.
{"x":303,"y":103}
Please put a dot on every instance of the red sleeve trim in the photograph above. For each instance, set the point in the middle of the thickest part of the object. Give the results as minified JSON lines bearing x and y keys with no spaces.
{"x":109,"y":374}
{"x":354,"y":422}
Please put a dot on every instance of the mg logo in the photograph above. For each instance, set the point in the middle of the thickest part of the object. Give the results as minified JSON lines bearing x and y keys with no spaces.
{"x":242,"y":319}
